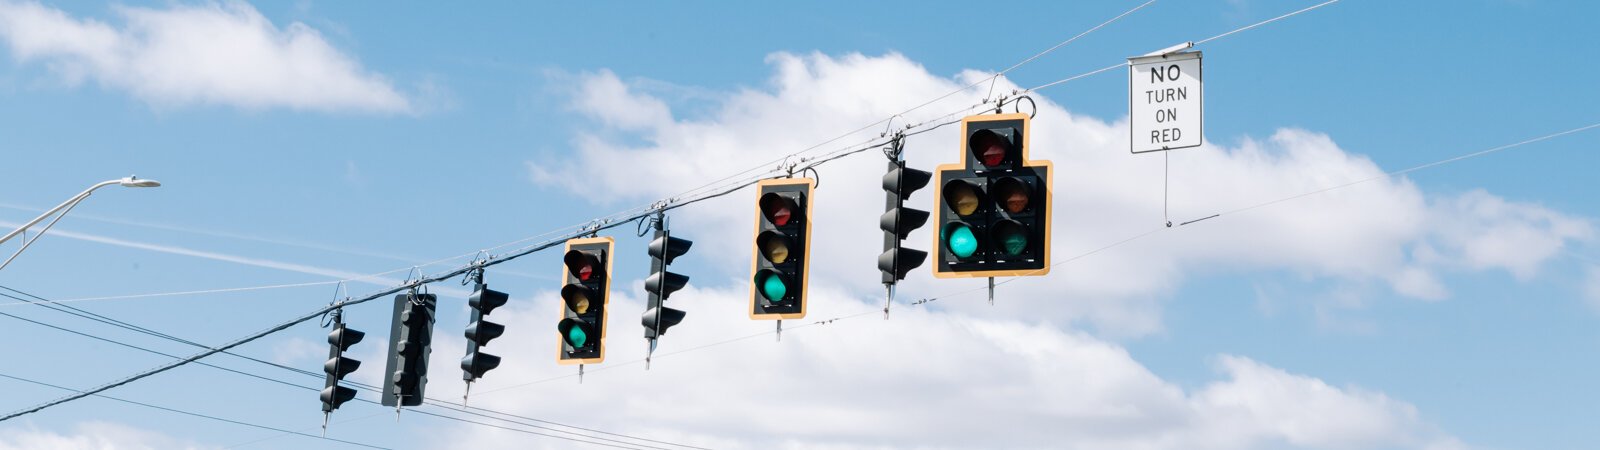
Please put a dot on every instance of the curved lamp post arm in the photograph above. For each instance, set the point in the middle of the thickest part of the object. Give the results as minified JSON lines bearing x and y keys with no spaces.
{"x":65,"y":207}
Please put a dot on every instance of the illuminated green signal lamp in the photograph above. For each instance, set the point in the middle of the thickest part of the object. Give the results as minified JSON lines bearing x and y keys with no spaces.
{"x":576,"y":333}
{"x":959,"y":239}
{"x":772,"y":286}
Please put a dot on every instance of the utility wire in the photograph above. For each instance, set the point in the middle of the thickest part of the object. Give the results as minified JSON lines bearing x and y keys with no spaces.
{"x":628,"y":445}
{"x":1156,"y":230}
{"x":648,"y":207}
{"x":1135,"y":237}
{"x":885,"y":121}
{"x":1119,"y":243}
{"x":1416,"y":168}
{"x":313,"y":389}
{"x":426,"y":413}
{"x":103,"y":319}
{"x":1074,"y":38}
{"x":135,"y":347}
{"x":594,"y":227}
{"x":169,"y":294}
{"x":42,"y":302}
{"x":1389,"y":174}
{"x":279,"y":435}
{"x":1202,"y":41}
{"x":1264,"y":22}
{"x":409,"y":285}
{"x":193,"y":414}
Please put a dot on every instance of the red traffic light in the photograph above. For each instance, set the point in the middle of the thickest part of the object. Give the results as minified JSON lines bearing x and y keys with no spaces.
{"x":989,"y":147}
{"x":580,"y":264}
{"x":778,"y":209}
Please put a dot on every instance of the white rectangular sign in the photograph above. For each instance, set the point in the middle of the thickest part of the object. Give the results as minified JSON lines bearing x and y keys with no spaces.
{"x":1164,"y":107}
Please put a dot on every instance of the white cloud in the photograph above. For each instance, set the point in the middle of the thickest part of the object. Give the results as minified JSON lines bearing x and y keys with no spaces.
{"x":1416,"y":282}
{"x":1380,"y":231}
{"x":605,"y":97}
{"x":298,"y":350}
{"x":956,"y":372}
{"x":1305,"y":412}
{"x":90,"y":435}
{"x":211,"y":53}
{"x":1478,"y":230}
{"x":925,"y":379}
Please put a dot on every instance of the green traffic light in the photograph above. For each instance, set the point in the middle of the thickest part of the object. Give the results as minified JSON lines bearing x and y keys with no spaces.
{"x":959,"y":239}
{"x":772,"y":286}
{"x":577,"y":337}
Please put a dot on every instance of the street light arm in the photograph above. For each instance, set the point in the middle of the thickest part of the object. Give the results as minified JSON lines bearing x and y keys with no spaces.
{"x":36,"y":236}
{"x":64,"y":205}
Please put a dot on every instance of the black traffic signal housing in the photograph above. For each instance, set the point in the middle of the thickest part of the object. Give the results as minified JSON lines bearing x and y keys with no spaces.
{"x":480,"y":331}
{"x":410,"y":342}
{"x":657,"y":318}
{"x":339,"y":340}
{"x":993,"y":209}
{"x":782,"y":257}
{"x":584,"y":296}
{"x":898,"y":221}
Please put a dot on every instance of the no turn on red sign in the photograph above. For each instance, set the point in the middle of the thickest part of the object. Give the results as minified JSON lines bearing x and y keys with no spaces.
{"x":1164,"y":102}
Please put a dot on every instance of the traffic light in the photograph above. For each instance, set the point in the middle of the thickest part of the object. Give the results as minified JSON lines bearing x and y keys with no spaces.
{"x":993,"y":208}
{"x":339,"y":340}
{"x":480,"y":332}
{"x":898,"y":221}
{"x":782,"y":249}
{"x":410,"y":342}
{"x":657,"y":317}
{"x":584,"y":298}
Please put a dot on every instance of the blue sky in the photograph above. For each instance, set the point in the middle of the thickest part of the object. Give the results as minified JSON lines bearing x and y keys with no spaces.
{"x":306,"y":142}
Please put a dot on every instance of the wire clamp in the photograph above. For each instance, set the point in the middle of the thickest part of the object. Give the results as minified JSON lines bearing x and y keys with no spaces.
{"x":889,"y":125}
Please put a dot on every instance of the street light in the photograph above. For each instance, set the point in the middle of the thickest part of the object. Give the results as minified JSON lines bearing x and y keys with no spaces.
{"x":64,"y":208}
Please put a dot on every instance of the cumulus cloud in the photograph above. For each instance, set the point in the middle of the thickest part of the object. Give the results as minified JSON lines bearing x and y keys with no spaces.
{"x":1384,"y":231}
{"x":925,"y":379}
{"x":90,"y":435}
{"x":210,"y":53}
{"x":960,"y":373}
{"x":1273,"y":405}
{"x":1478,"y":231}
